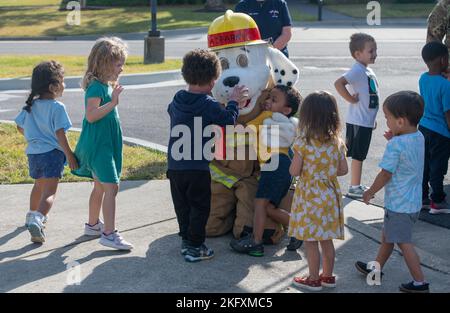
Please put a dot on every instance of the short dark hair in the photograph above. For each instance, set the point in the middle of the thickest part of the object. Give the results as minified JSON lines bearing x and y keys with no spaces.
{"x":293,"y":98}
{"x":434,"y":50}
{"x":408,"y":104}
{"x":358,"y":41}
{"x":200,"y":67}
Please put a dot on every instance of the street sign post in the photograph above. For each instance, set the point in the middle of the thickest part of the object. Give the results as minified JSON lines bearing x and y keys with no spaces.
{"x":154,"y":42}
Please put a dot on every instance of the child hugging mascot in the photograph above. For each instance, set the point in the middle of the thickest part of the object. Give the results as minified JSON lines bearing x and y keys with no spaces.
{"x":246,"y":60}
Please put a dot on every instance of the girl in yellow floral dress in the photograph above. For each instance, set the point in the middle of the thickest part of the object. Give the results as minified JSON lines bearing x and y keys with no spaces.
{"x":316,"y":214}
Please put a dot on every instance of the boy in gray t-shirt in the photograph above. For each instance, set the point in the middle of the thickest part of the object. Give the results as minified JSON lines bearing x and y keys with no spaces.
{"x":359,"y":87}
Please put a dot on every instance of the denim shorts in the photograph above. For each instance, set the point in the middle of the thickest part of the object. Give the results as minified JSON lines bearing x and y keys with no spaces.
{"x":46,"y":165}
{"x":274,"y":185}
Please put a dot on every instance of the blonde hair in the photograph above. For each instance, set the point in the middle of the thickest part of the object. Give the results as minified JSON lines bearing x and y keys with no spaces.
{"x":105,"y":52}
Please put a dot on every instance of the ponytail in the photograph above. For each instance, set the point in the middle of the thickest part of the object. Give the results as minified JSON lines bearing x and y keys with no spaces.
{"x":44,"y":74}
{"x":29,"y":102}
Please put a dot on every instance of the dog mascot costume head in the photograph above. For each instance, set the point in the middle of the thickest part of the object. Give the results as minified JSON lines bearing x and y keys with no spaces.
{"x":246,"y":60}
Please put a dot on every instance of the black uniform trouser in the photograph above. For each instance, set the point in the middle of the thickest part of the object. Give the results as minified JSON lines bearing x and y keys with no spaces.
{"x":437,"y":152}
{"x":191,"y":195}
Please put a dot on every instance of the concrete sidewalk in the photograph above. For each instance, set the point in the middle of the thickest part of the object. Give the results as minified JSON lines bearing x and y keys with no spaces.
{"x":146,"y":217}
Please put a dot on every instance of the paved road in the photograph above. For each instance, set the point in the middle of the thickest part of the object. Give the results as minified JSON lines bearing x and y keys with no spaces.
{"x":322,"y":56}
{"x":304,"y":41}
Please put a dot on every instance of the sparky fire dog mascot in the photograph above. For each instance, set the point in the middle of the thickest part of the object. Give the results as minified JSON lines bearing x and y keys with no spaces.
{"x":246,"y":60}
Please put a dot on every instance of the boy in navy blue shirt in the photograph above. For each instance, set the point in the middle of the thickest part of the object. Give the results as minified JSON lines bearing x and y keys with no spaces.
{"x":191,"y":111}
{"x":435,"y":126}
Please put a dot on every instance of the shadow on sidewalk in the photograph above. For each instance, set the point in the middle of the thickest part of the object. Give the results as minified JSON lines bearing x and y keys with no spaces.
{"x":163,"y":269}
{"x":11,"y":235}
{"x":20,"y":272}
{"x":17,"y":252}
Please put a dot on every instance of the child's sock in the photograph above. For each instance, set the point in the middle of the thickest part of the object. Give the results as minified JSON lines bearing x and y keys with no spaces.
{"x":418,"y":283}
{"x":355,"y":186}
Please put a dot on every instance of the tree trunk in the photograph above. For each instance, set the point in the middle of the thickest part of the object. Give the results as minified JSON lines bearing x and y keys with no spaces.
{"x":83,"y":4}
{"x":215,"y":5}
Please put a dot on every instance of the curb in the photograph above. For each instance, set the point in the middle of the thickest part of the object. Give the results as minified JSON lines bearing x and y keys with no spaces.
{"x":134,"y":142}
{"x":74,"y":81}
{"x":427,"y":259}
{"x":363,"y":22}
{"x":127,"y":140}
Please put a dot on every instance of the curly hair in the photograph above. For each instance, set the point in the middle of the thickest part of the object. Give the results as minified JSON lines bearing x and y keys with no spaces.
{"x":293,"y":98}
{"x":200,"y":67}
{"x":44,"y":74}
{"x":105,"y":52}
{"x":319,"y":118}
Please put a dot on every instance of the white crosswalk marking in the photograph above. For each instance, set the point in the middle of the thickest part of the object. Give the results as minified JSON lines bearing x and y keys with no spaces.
{"x":7,"y":96}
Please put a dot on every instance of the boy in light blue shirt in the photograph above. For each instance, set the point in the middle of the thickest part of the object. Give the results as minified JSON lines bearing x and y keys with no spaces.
{"x":401,"y":176}
{"x":435,"y":126}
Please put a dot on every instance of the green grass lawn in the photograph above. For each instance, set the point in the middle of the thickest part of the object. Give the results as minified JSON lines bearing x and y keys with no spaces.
{"x":20,"y":3}
{"x":302,"y":17}
{"x":13,"y":66}
{"x":21,"y":21}
{"x":138,"y":163}
{"x":388,"y":10}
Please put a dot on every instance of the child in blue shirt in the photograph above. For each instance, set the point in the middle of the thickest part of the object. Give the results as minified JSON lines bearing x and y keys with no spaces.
{"x":435,"y":126}
{"x":43,"y":122}
{"x":401,"y":176}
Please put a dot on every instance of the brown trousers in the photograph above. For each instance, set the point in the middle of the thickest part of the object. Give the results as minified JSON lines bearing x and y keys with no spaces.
{"x":232,"y":209}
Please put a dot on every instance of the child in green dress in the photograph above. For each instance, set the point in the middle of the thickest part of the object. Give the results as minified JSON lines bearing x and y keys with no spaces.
{"x":99,"y":149}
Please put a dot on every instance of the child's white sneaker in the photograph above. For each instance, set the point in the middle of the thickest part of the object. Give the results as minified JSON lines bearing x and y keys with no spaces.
{"x":36,"y":228}
{"x":94,"y":230}
{"x":116,"y":241}
{"x":29,"y":216}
